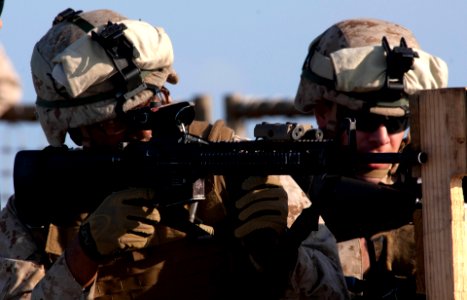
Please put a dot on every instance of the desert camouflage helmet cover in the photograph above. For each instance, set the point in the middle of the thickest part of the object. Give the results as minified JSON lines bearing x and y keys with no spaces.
{"x":74,"y":77}
{"x":347,"y":65}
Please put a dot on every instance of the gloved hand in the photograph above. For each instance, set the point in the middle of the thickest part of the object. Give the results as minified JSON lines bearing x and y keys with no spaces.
{"x":125,"y":220}
{"x":264,"y":206}
{"x":262,"y":224}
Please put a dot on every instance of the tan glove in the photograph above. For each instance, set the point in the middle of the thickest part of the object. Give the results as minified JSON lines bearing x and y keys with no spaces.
{"x":125,"y":220}
{"x":262,"y":217}
{"x":263,"y":206}
{"x":396,"y":248}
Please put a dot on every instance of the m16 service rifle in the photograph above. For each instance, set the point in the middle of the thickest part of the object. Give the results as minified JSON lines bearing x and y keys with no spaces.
{"x":54,"y":183}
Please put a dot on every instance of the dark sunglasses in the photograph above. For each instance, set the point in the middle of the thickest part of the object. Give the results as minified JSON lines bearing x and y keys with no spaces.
{"x":371,"y":122}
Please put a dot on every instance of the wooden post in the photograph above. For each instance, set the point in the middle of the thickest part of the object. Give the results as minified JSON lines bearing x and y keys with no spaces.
{"x":439,"y":128}
{"x":202,"y":107}
{"x":239,"y":109}
{"x":19,"y":112}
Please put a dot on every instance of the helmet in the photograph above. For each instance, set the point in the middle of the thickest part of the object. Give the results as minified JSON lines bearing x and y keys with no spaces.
{"x":2,"y":2}
{"x":367,"y":64}
{"x":89,"y":66}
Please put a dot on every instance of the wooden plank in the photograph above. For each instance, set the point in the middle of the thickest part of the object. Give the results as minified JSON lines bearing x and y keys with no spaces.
{"x":418,"y":221}
{"x":239,"y":109}
{"x":441,"y":132}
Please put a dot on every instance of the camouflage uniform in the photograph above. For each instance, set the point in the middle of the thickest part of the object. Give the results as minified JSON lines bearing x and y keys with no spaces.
{"x":32,"y":260}
{"x":347,"y":69}
{"x":26,"y":276}
{"x":10,"y":85}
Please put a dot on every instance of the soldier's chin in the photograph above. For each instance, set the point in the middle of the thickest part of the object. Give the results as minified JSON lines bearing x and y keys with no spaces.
{"x":372,"y":172}
{"x":372,"y":167}
{"x":378,"y":166}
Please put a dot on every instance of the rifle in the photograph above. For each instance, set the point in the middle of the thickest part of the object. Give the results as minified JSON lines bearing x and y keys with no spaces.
{"x":175,"y":163}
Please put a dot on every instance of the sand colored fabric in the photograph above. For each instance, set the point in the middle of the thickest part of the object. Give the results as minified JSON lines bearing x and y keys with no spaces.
{"x":348,"y":59}
{"x":85,"y":63}
{"x":72,"y":78}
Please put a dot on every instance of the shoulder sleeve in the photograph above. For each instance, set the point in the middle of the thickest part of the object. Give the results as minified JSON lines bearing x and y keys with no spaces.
{"x":15,"y":241}
{"x":23,"y":278}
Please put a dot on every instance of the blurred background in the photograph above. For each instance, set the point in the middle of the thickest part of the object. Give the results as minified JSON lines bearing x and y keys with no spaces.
{"x":254,"y":49}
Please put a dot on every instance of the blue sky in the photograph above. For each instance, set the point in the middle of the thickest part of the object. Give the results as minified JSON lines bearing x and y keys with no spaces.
{"x":255,"y":48}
